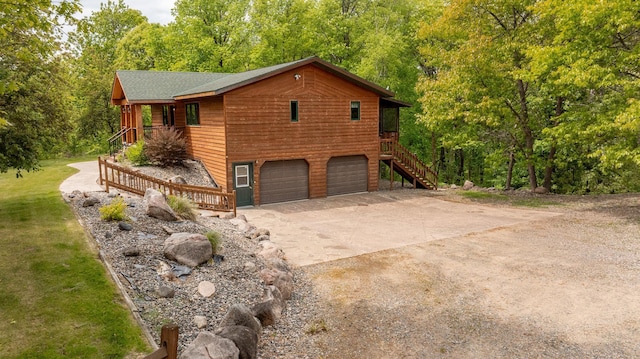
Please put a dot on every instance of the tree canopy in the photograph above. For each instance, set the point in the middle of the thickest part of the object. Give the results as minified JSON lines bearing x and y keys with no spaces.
{"x":506,"y":93}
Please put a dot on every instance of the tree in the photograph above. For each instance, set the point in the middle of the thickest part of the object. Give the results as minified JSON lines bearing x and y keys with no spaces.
{"x":33,"y":116}
{"x":96,"y":41}
{"x":282,"y":31}
{"x":209,"y":36}
{"x":550,"y":79}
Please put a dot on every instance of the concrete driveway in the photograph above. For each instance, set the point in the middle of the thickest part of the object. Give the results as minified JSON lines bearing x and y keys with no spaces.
{"x":321,"y":230}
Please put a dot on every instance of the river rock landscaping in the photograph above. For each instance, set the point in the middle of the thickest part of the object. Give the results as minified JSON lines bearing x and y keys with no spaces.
{"x":244,"y":294}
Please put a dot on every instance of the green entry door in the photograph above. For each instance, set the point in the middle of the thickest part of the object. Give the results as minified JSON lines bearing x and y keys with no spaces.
{"x":243,"y":183}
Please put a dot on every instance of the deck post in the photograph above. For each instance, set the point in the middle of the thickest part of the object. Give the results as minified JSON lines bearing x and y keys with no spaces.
{"x":391,"y":175}
{"x":169,"y":340}
{"x":100,"y":169}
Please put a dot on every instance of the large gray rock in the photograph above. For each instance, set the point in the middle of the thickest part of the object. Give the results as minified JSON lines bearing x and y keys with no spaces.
{"x":157,"y":206}
{"x":269,"y":310}
{"x":239,"y":314}
{"x":210,"y":346}
{"x":245,"y":339}
{"x":280,"y":279}
{"x":467,"y":185}
{"x":188,"y":248}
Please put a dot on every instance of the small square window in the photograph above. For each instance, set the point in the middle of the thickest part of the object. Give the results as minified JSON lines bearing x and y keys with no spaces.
{"x":294,"y":111}
{"x":193,"y":114}
{"x":355,"y":110}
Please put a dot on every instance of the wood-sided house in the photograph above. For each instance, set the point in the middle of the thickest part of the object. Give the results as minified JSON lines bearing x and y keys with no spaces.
{"x":304,"y":129}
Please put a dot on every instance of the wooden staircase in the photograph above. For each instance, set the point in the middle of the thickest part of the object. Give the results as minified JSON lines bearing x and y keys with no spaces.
{"x":407,"y":165}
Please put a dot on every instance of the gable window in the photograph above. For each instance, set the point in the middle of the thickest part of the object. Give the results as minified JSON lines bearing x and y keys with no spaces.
{"x":193,"y":114}
{"x":294,"y":110}
{"x":355,"y":110}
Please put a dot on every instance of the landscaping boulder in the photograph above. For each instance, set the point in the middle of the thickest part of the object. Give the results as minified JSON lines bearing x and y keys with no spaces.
{"x":269,"y":310}
{"x":467,"y":185}
{"x":245,"y":339}
{"x":131,"y":251}
{"x":188,"y":248}
{"x":280,"y":279}
{"x":210,"y":346}
{"x":200,"y":321}
{"x":90,"y":202}
{"x":157,"y":206}
{"x":239,"y":314}
{"x":206,"y":289}
{"x":178,"y":180}
{"x":260,"y":232}
{"x":270,"y":251}
{"x":124,"y":226}
{"x":164,"y":291}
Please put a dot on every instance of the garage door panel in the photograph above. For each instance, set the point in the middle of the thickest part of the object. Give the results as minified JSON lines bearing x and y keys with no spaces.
{"x":348,"y":174}
{"x":282,"y":181}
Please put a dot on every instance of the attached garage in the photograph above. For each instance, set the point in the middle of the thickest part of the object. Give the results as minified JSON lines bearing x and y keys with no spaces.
{"x":348,"y":174}
{"x":282,"y":181}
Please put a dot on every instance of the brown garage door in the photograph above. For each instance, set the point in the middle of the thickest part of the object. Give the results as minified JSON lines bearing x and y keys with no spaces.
{"x":347,"y":174}
{"x":282,"y":181}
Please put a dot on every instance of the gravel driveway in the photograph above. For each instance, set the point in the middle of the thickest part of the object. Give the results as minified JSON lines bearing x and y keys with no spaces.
{"x":562,"y":282}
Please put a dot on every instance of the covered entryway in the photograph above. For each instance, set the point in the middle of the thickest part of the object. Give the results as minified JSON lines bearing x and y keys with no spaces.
{"x":282,"y":181}
{"x":348,"y":174}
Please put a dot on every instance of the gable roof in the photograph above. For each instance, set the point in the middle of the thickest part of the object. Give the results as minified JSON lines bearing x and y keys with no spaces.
{"x":162,"y":86}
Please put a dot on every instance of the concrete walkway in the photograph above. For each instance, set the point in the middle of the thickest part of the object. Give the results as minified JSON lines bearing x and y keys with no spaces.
{"x":321,"y":230}
{"x":86,"y":180}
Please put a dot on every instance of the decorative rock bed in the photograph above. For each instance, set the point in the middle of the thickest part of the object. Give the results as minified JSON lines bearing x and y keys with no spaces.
{"x":216,"y":301}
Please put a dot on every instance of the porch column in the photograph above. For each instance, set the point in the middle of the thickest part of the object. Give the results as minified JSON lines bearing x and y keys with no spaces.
{"x":137,"y":119}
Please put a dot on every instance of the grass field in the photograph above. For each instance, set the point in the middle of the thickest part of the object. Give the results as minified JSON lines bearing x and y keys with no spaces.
{"x":56,"y":299}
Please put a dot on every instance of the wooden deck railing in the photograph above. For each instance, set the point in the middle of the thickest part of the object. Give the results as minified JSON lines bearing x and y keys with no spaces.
{"x":395,"y":151}
{"x":168,"y":343}
{"x":116,"y":142}
{"x":112,"y":175}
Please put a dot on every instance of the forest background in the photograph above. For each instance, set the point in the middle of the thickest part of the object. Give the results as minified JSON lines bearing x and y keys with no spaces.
{"x":505,"y":93}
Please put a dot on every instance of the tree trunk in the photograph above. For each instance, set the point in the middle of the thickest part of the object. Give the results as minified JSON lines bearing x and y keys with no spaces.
{"x":512,"y":161}
{"x":548,"y":171}
{"x":528,"y":135}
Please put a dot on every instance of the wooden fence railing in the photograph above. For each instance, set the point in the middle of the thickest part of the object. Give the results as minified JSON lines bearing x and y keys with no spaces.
{"x":399,"y":153}
{"x":168,"y":343}
{"x":112,"y":175}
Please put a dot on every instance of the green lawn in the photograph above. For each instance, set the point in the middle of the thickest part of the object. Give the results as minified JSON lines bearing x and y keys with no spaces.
{"x":56,"y":299}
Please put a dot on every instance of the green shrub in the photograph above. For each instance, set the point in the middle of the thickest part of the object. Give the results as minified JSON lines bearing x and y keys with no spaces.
{"x":115,"y":211}
{"x":136,"y":154}
{"x":183,"y":207}
{"x":215,"y":239}
{"x":167,"y":147}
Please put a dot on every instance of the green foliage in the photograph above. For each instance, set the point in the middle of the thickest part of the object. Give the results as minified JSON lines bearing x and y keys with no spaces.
{"x":136,"y":154}
{"x":95,"y":41}
{"x":183,"y":207}
{"x":114,"y":211}
{"x":546,"y":82}
{"x":34,"y":116}
{"x":167,"y":147}
{"x":78,"y":306}
{"x":215,"y":239}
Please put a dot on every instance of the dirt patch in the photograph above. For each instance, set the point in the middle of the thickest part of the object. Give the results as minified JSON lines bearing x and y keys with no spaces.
{"x":563,"y":287}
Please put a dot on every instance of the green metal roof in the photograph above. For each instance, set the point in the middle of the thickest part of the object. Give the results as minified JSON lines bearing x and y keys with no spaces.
{"x":156,"y":86}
